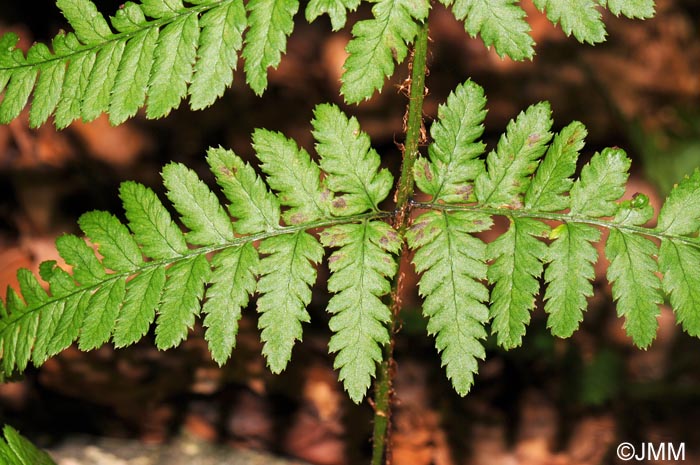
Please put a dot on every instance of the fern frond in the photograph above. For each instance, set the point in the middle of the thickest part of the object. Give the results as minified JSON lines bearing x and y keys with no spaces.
{"x":360,"y":268}
{"x":452,"y":263}
{"x":379,"y":42}
{"x":554,"y":222}
{"x":160,"y":50}
{"x":17,"y":450}
{"x":125,"y":278}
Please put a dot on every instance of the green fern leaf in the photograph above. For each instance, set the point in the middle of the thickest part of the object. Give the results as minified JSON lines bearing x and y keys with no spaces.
{"x":87,"y":269}
{"x":515,"y":158}
{"x":287,"y":273}
{"x":143,"y":296}
{"x":271,"y":21}
{"x":635,"y":285}
{"x":255,"y":208}
{"x":199,"y":208}
{"x":17,"y":340}
{"x":569,"y":274}
{"x":48,"y":86}
{"x":336,"y":10}
{"x":630,"y":8}
{"x":578,"y":17}
{"x":359,"y":269}
{"x":601,"y":183}
{"x":679,"y":258}
{"x":88,"y":23}
{"x":217,"y":56}
{"x":118,"y":248}
{"x":377,"y":43}
{"x":17,"y":450}
{"x":96,"y":328}
{"x":232,"y":282}
{"x":180,"y":302}
{"x":151,"y":223}
{"x":101,"y":82}
{"x":500,"y":23}
{"x":452,"y":263}
{"x":350,"y":162}
{"x":453,"y":164}
{"x":173,"y":65}
{"x":162,"y":8}
{"x":516,"y":266}
{"x":553,"y":177}
{"x":292,"y":173}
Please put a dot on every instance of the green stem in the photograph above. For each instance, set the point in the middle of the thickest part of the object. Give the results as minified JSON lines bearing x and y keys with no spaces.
{"x":414,"y":121}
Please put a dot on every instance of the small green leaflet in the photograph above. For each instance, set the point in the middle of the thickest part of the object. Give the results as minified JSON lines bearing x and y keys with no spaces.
{"x":17,"y":450}
{"x":578,"y":17}
{"x":88,"y":23}
{"x":286,"y":277}
{"x":516,"y":157}
{"x":635,"y":286}
{"x":602,"y":182}
{"x":270,"y":22}
{"x":569,"y":274}
{"x":377,"y":43}
{"x":452,"y":263}
{"x":359,"y":272}
{"x":351,"y":163}
{"x":336,"y":10}
{"x":630,"y":8}
{"x":500,"y":23}
{"x":516,"y":266}
{"x":453,"y":164}
{"x":292,"y":173}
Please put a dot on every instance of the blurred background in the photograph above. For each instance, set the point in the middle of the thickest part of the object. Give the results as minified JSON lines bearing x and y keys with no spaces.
{"x":551,"y":401}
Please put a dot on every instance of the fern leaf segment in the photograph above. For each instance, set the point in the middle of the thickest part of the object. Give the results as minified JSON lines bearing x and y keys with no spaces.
{"x":452,"y":263}
{"x":360,"y":268}
{"x":453,"y":164}
{"x":271,"y":22}
{"x":17,"y":450}
{"x":287,"y":274}
{"x":379,"y":42}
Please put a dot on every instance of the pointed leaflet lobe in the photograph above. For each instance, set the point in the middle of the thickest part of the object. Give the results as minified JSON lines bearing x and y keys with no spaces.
{"x":452,"y":263}
{"x":217,"y":55}
{"x":359,"y":272}
{"x":579,"y":17}
{"x":377,"y":42}
{"x":118,"y":248}
{"x":635,"y":285}
{"x":98,"y":92}
{"x":88,"y":23}
{"x":515,"y":158}
{"x":336,"y":10}
{"x":232,"y":282}
{"x":286,"y":277}
{"x":291,"y":172}
{"x":99,"y":319}
{"x":601,"y":184}
{"x":553,"y":177}
{"x":199,"y":208}
{"x":143,"y":294}
{"x":516,"y":266}
{"x":453,"y":154}
{"x":180,"y":302}
{"x":568,"y":276}
{"x":630,"y":8}
{"x":500,"y":23}
{"x":48,"y":87}
{"x":151,"y":223}
{"x":255,"y":208}
{"x":351,"y":164}
{"x":270,"y":22}
{"x":173,"y":65}
{"x":16,"y":450}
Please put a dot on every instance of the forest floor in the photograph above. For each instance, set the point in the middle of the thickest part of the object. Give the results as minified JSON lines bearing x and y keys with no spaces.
{"x":550,"y":402}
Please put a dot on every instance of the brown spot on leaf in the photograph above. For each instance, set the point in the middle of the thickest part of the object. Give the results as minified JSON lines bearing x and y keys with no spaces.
{"x":339,"y":203}
{"x":532,"y":139}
